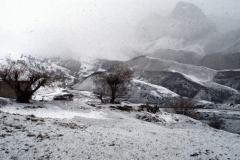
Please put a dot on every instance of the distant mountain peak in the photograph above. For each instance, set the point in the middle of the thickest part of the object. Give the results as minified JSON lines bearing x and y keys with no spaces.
{"x":184,"y":10}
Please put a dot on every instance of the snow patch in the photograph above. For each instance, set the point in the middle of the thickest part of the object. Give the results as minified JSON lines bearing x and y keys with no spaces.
{"x":163,"y":43}
{"x":160,"y":89}
{"x":51,"y":111}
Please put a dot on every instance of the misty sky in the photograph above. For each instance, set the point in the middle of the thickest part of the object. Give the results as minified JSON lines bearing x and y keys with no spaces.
{"x":102,"y":28}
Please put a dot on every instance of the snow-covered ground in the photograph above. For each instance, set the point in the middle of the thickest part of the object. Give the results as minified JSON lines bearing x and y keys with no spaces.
{"x":76,"y":130}
{"x":50,"y":111}
{"x":47,"y":93}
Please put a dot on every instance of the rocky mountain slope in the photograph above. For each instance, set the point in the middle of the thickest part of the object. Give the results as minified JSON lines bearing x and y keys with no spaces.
{"x":228,"y":78}
{"x":185,"y":80}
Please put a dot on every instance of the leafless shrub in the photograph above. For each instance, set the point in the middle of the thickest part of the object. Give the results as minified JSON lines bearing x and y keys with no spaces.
{"x":215,"y":122}
{"x":182,"y":106}
{"x":3,"y":102}
{"x":149,"y":117}
{"x":148,"y":108}
{"x":122,"y":108}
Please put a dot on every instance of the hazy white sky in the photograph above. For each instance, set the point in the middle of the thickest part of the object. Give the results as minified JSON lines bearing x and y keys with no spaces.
{"x":102,"y":28}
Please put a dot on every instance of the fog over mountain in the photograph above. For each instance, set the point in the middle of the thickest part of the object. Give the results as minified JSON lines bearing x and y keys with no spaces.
{"x":188,"y":28}
{"x":186,"y":21}
{"x":187,"y":35}
{"x":110,"y":29}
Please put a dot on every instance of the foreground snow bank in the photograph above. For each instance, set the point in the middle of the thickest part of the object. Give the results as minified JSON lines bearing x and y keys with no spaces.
{"x":49,"y":111}
{"x":120,"y":136}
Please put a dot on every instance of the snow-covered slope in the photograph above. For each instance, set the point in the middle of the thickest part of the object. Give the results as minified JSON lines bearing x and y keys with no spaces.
{"x":93,"y":133}
{"x":85,"y":85}
{"x":145,"y":63}
{"x":70,"y":70}
{"x":147,"y":93}
{"x":160,"y":89}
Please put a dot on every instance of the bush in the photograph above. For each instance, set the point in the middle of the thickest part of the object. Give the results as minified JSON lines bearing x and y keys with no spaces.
{"x":66,"y":97}
{"x":216,"y":122}
{"x":122,"y":108}
{"x":3,"y":102}
{"x":145,"y":116}
{"x":182,"y":106}
{"x":148,"y":108}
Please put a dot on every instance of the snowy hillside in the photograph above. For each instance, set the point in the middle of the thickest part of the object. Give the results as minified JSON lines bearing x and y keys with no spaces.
{"x":181,"y":79}
{"x":85,"y":129}
{"x":147,"y":93}
{"x":75,"y":130}
{"x":70,"y":70}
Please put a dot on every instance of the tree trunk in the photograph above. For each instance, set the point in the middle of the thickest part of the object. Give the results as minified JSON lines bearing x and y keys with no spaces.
{"x":100,"y":96}
{"x":24,"y":97}
{"x":113,"y":97}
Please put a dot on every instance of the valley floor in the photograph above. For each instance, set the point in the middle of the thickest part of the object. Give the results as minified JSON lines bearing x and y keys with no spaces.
{"x":75,"y":130}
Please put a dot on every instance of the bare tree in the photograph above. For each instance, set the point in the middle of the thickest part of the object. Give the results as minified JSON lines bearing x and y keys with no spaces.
{"x":112,"y":83}
{"x":101,"y":87}
{"x":22,"y":82}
